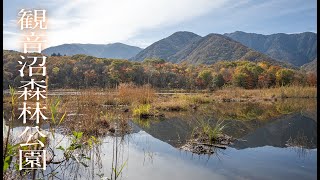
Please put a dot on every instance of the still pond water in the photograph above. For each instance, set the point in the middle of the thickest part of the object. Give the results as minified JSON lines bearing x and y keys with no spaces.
{"x":262,"y":149}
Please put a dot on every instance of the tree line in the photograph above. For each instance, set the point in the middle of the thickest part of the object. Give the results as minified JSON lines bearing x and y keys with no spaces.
{"x":82,"y":71}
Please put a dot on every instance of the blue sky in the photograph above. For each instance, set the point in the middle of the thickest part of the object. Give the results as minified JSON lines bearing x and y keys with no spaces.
{"x":142,"y":22}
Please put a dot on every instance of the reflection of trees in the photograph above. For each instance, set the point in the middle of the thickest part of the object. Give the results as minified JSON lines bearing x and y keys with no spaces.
{"x":117,"y":158}
{"x":148,"y":154}
{"x":301,"y":152}
{"x":93,"y":166}
{"x":68,"y":158}
{"x":299,"y":141}
{"x":300,"y":144}
{"x":279,"y":131}
{"x":262,"y":111}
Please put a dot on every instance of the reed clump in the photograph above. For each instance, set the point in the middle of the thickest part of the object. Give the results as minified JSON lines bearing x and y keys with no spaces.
{"x":128,"y":93}
{"x":206,"y":132}
{"x":142,"y":110}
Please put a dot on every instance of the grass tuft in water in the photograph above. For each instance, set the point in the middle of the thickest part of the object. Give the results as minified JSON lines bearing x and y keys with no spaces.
{"x":210,"y":132}
{"x":142,"y":110}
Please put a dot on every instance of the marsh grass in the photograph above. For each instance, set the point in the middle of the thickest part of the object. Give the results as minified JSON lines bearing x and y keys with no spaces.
{"x":196,"y":98}
{"x":262,"y":110}
{"x":10,"y":150}
{"x":297,"y":92}
{"x":88,"y":106}
{"x":277,"y":92}
{"x":92,"y":118}
{"x":129,"y":93}
{"x":172,"y":104}
{"x":182,"y":102}
{"x":90,"y":123}
{"x":85,"y":113}
{"x":11,"y":164}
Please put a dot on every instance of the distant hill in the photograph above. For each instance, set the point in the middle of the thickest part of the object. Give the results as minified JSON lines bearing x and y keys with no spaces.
{"x":311,"y":66}
{"x":183,"y":46}
{"x":116,"y":50}
{"x":297,"y":49}
{"x":166,"y":48}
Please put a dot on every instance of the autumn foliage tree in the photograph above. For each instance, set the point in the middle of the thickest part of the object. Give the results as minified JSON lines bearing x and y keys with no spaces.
{"x":206,"y":78}
{"x":218,"y":81}
{"x":82,"y":71}
{"x":284,"y":76}
{"x":312,"y":79}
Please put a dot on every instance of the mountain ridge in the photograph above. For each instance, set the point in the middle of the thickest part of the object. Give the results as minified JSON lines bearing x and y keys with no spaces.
{"x":295,"y":48}
{"x":167,"y":47}
{"x":201,"y":50}
{"x":113,"y":50}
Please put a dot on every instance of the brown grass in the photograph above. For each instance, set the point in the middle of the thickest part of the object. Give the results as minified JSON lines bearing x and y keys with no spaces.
{"x":196,"y":98}
{"x":278,"y":92}
{"x":130,"y":93}
{"x":172,"y":104}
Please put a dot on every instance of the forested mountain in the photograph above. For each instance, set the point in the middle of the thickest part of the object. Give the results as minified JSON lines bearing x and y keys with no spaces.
{"x":183,"y":46}
{"x":216,"y":47}
{"x":297,"y":49}
{"x":189,"y":47}
{"x":116,"y":50}
{"x":166,"y":48}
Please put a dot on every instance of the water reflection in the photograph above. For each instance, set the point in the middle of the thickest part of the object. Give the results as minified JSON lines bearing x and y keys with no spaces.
{"x":280,"y":132}
{"x":275,"y":143}
{"x":276,"y":132}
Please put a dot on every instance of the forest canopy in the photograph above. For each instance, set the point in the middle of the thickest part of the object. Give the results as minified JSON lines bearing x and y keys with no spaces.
{"x":82,"y":71}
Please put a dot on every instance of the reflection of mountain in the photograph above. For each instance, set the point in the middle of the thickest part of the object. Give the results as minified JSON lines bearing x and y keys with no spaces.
{"x":280,"y":131}
{"x":177,"y":130}
{"x":274,"y":132}
{"x":171,"y":130}
{"x":311,"y":114}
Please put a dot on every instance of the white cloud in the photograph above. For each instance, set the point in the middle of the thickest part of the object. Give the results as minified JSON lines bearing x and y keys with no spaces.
{"x":106,"y":21}
{"x":126,"y":21}
{"x":8,"y":33}
{"x":11,"y":41}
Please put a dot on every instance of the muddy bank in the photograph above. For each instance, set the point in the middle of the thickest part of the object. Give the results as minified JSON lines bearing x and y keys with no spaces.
{"x":203,"y":144}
